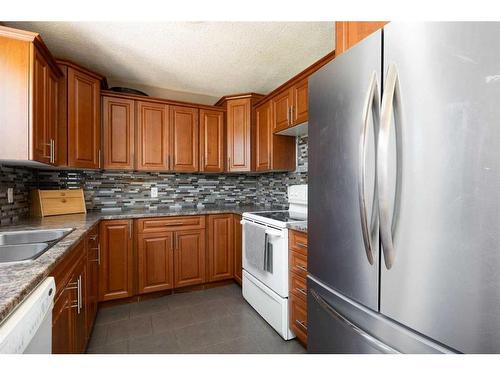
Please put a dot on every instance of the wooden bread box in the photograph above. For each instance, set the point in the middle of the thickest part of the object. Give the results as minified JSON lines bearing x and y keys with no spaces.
{"x":57,"y":202}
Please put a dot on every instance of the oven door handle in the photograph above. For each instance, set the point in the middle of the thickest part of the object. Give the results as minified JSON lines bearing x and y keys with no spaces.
{"x":269,"y":231}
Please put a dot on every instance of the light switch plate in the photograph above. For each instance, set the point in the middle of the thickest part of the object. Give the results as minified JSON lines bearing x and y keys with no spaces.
{"x":154,"y":192}
{"x":10,"y":195}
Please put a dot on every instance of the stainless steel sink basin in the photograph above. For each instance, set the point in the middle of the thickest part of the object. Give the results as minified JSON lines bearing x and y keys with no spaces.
{"x":33,"y":236}
{"x":19,"y":253}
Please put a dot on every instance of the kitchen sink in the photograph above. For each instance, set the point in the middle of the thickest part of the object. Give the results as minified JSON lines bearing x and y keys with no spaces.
{"x":33,"y":236}
{"x":26,"y":245}
{"x":19,"y":253}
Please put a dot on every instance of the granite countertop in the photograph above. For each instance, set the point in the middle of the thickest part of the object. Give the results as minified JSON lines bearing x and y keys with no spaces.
{"x":298,"y":227}
{"x":19,"y":280}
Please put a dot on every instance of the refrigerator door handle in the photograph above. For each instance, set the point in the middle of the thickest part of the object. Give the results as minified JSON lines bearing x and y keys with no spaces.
{"x":391,"y":103}
{"x":372,"y":105}
{"x":360,"y":331}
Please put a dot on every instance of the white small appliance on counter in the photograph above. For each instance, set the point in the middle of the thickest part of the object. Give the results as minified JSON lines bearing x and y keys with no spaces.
{"x":265,"y":259}
{"x":28,"y":329}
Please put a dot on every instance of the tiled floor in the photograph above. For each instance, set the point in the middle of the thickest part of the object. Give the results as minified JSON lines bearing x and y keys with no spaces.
{"x":216,"y":320}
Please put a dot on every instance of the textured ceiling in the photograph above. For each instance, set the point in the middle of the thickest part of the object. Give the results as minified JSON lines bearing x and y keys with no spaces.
{"x":209,"y":58}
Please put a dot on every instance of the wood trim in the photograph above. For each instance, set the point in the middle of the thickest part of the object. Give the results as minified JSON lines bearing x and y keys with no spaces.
{"x":75,"y":66}
{"x":153,"y":99}
{"x":303,"y":74}
{"x":247,"y":95}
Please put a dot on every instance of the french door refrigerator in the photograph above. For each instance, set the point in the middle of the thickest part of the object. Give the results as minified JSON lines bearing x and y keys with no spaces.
{"x":404,"y":193}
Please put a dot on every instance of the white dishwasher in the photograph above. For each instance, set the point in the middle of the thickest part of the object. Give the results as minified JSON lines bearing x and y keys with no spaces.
{"x":28,"y":329}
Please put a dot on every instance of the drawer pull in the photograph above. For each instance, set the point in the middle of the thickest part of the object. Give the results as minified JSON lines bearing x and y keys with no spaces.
{"x":302,"y":268}
{"x":302,"y":291}
{"x":299,"y":244}
{"x":301,"y":324}
{"x":93,"y":237}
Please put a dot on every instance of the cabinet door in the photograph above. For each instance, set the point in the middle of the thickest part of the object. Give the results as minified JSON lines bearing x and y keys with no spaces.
{"x":263,"y":143}
{"x":220,"y":247}
{"x":184,"y":129}
{"x":238,"y":263}
{"x":152,"y":137}
{"x":119,"y":129}
{"x":212,"y":154}
{"x":115,"y":272}
{"x":239,"y":135}
{"x":52,"y":91}
{"x":189,"y":257}
{"x":41,"y":140}
{"x":92,"y":278}
{"x":155,"y":253}
{"x":63,"y":323}
{"x":84,"y":122}
{"x":80,"y":313}
{"x":300,"y":109}
{"x":281,"y":110}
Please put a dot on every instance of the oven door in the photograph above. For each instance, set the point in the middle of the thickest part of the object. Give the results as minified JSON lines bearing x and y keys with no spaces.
{"x":276,"y":277}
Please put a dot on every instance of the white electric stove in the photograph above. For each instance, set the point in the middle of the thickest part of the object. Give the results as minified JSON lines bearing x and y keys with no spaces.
{"x":266,"y":288}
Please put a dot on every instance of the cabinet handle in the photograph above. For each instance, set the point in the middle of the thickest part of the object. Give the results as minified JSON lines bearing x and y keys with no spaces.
{"x":176,"y":243}
{"x":130,"y":229}
{"x":288,"y":116}
{"x":98,"y":259}
{"x":299,"y":244}
{"x":292,"y":115}
{"x":93,"y":237}
{"x":79,"y":308}
{"x":302,"y":324}
{"x":302,"y":268}
{"x":99,"y":158}
{"x":302,"y":291}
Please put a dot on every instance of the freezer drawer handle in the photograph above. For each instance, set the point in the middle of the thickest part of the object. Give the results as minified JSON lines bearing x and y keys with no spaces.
{"x":302,"y":324}
{"x":372,"y":105}
{"x":335,"y":314}
{"x":391,"y":103}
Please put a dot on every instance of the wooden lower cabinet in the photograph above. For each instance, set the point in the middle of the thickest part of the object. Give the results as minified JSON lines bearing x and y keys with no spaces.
{"x":189,"y":257}
{"x":297,"y":298}
{"x":220,"y":247}
{"x":63,"y":323}
{"x":92,"y":277}
{"x":237,"y":246}
{"x":116,"y":268}
{"x":155,"y":256}
{"x":298,"y":317}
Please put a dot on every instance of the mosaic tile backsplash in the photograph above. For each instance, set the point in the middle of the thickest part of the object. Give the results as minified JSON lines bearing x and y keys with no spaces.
{"x":111,"y":190}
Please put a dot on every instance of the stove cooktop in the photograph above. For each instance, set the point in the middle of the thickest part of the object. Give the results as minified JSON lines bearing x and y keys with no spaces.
{"x":283,"y":216}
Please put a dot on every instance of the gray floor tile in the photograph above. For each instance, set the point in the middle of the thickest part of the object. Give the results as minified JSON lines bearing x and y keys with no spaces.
{"x":113,"y":314}
{"x":241,"y":345}
{"x":198,"y":335}
{"x":211,"y":310}
{"x":160,"y":343}
{"x":119,"y":347}
{"x":149,"y":306}
{"x":180,"y":300}
{"x":98,"y":336}
{"x":173,"y":319}
{"x":238,"y":325}
{"x":128,"y":329}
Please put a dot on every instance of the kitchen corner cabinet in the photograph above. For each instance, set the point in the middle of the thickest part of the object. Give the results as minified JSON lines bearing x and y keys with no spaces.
{"x":116,"y":268}
{"x":29,"y":104}
{"x":152,"y":136}
{"x":82,"y":117}
{"x":237,"y":246}
{"x":212,"y":141}
{"x":348,"y":33}
{"x":118,"y":120}
{"x":239,"y":133}
{"x":184,"y":131}
{"x":272,"y":152}
{"x":220,"y":247}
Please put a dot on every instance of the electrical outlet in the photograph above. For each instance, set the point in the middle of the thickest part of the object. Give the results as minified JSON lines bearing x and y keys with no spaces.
{"x":10,"y":195}
{"x":154,"y":192}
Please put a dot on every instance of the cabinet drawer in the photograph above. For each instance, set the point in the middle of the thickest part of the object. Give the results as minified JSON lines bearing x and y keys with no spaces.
{"x":298,"y":317}
{"x":298,"y":263}
{"x":298,"y":285}
{"x":166,"y":224}
{"x":60,"y":193}
{"x":298,"y":241}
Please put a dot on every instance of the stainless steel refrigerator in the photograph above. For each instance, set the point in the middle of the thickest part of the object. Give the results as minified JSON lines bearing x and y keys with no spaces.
{"x":404,"y":193}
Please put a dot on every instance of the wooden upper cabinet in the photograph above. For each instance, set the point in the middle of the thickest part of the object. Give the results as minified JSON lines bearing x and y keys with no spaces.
{"x":29,"y":98}
{"x":263,"y":134}
{"x":212,"y":147}
{"x":155,"y":256}
{"x":189,"y":257}
{"x":281,"y":109}
{"x":184,"y":140}
{"x":240,"y":122}
{"x":116,"y":270}
{"x":220,"y":247}
{"x":84,"y":121}
{"x":152,"y":136}
{"x":348,"y":33}
{"x":300,"y":104}
{"x":118,"y":132}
